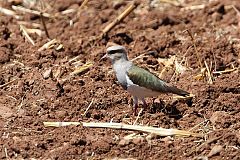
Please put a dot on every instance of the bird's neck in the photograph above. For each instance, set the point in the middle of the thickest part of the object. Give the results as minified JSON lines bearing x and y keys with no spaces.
{"x":119,"y":61}
{"x":121,"y":64}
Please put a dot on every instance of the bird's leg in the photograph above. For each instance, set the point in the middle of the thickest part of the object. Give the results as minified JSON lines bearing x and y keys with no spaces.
{"x":144,"y":104}
{"x":135,"y":104}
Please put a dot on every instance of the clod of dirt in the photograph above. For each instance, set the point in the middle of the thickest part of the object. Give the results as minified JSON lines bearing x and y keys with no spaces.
{"x":4,"y":55}
{"x":220,"y":119}
{"x":101,"y":146}
{"x":78,"y":141}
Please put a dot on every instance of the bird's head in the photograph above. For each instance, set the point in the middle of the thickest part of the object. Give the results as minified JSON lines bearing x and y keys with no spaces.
{"x":116,"y":53}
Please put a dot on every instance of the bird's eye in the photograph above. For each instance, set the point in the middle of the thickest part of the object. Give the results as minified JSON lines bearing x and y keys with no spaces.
{"x":111,"y":52}
{"x":115,"y":51}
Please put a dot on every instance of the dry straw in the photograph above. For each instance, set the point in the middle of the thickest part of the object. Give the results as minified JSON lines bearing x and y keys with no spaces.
{"x":148,"y":129}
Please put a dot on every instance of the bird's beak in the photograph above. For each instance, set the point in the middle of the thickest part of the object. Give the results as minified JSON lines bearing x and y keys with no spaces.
{"x":103,"y":57}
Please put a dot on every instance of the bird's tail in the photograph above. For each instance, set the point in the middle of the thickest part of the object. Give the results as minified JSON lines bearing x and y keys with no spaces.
{"x":177,"y":91}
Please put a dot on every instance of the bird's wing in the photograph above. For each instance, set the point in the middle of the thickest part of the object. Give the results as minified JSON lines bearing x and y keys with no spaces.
{"x":144,"y":78}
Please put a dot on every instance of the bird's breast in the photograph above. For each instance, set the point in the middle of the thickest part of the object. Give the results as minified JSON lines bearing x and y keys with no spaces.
{"x":121,"y":72}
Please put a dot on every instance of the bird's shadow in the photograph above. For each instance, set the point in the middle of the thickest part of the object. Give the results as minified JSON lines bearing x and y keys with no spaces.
{"x":166,"y":108}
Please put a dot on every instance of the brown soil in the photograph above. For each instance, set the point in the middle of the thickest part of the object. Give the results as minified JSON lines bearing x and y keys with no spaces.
{"x":159,"y":32}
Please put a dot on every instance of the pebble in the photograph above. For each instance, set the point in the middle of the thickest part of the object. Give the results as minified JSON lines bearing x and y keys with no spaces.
{"x":138,"y":140}
{"x":47,"y":73}
{"x":215,"y":150}
{"x":124,"y":142}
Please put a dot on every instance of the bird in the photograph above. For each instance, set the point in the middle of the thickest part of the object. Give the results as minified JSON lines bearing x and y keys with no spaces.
{"x":139,"y":82}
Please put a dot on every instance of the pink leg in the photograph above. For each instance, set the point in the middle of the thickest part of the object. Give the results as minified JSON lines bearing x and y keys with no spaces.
{"x":135,"y":105}
{"x":144,"y":103}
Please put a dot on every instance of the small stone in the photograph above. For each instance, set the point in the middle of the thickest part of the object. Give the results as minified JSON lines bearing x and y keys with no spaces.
{"x":151,"y":136}
{"x":31,"y":82}
{"x":138,"y":140}
{"x":124,"y":142}
{"x":166,"y":139}
{"x":61,"y":114}
{"x":215,"y":150}
{"x":47,"y":73}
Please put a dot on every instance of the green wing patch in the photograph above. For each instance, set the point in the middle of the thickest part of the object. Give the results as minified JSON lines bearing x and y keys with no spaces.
{"x":142,"y":77}
{"x":148,"y":80}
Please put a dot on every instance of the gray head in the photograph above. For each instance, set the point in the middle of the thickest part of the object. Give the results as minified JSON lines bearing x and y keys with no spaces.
{"x":117,"y":53}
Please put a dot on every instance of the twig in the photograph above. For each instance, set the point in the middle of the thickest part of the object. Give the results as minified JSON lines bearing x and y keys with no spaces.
{"x":73,"y":59}
{"x":225,"y":71}
{"x":88,"y":108}
{"x":154,"y":130}
{"x":43,"y":21}
{"x":82,"y":68}
{"x":184,"y":98}
{"x":22,"y":9}
{"x":138,"y":116}
{"x":9,"y":13}
{"x":195,"y":48}
{"x":140,"y":56}
{"x":37,"y":31}
{"x":157,"y":131}
{"x":44,"y":25}
{"x":198,"y":125}
{"x":47,"y":45}
{"x":201,"y":6}
{"x":214,"y":59}
{"x":23,"y":29}
{"x":119,"y":19}
{"x":237,"y":11}
{"x":6,"y":84}
{"x":82,"y":5}
{"x":20,"y":106}
{"x":36,"y":25}
{"x":6,"y":153}
{"x":209,"y":73}
{"x":68,"y":11}
{"x":79,"y":11}
{"x":176,"y":3}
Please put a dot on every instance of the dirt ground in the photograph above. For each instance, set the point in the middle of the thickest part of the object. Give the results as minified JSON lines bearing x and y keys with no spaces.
{"x":38,"y":86}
